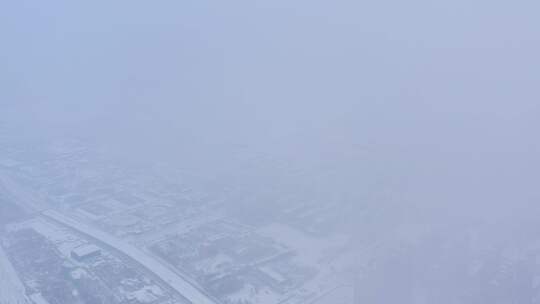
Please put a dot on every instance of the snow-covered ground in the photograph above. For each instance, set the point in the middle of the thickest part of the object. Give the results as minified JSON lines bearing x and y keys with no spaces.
{"x":61,"y":237}
{"x":341,"y":295}
{"x":24,"y":198}
{"x":175,"y":281}
{"x":11,"y":288}
{"x":309,"y":250}
{"x":251,"y":294}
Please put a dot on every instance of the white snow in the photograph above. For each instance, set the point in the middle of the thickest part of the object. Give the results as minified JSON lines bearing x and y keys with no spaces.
{"x":78,"y":273}
{"x":341,"y":295}
{"x":272,"y":273}
{"x":63,"y":239}
{"x":175,"y":281}
{"x":252,"y":294}
{"x":11,"y":288}
{"x":147,"y":294}
{"x":86,"y":249}
{"x":37,"y":298}
{"x":309,"y":250}
{"x":214,"y":264}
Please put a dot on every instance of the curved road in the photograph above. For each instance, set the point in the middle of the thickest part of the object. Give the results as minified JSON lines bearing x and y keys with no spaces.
{"x":176,"y":282}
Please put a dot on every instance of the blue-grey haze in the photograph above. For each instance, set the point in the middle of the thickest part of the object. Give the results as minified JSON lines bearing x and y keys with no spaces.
{"x":426,"y":110}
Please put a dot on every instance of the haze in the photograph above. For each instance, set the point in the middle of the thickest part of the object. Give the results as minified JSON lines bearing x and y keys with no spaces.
{"x":414,"y":122}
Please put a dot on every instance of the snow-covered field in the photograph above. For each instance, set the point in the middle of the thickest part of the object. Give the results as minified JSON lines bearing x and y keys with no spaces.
{"x":309,"y":250}
{"x":341,"y":295}
{"x":11,"y":288}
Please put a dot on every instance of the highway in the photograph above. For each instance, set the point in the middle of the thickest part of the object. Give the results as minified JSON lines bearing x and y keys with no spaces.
{"x":173,"y":280}
{"x":184,"y":288}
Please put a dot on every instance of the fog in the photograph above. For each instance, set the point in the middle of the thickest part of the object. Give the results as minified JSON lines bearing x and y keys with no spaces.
{"x":401,"y":116}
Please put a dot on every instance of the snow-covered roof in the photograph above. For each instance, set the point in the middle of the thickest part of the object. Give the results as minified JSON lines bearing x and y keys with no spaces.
{"x":85,"y":250}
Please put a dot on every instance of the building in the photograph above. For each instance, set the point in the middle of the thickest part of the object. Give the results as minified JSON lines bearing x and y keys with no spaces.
{"x":85,"y":252}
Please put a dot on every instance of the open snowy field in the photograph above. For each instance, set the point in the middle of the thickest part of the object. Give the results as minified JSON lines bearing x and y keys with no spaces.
{"x":11,"y":288}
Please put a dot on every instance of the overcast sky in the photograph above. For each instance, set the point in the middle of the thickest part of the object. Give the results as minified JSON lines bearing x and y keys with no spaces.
{"x":443,"y":95}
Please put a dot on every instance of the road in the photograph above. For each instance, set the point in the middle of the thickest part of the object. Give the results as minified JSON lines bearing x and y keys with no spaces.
{"x":172,"y":279}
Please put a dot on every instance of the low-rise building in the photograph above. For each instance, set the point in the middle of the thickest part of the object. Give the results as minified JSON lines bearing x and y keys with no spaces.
{"x":85,"y":252}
